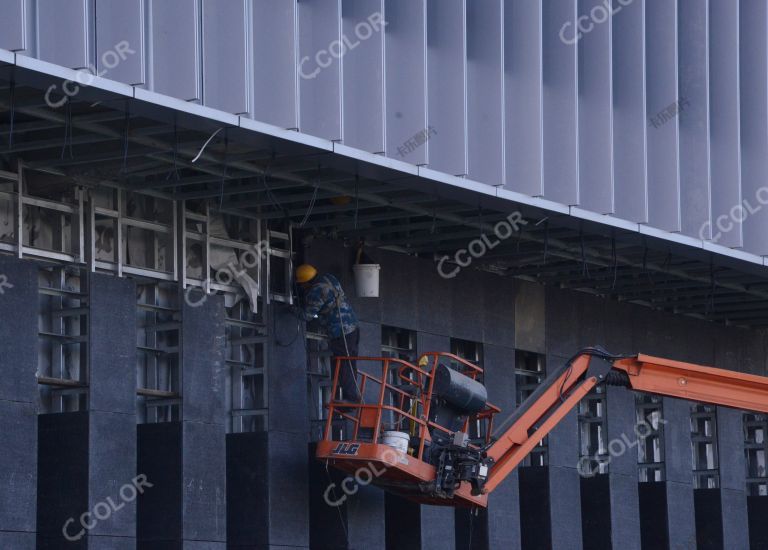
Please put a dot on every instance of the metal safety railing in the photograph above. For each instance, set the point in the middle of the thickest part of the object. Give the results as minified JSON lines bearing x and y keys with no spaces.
{"x":404,"y":400}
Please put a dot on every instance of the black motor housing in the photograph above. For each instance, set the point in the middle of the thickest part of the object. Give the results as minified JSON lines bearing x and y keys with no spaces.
{"x":460,"y":391}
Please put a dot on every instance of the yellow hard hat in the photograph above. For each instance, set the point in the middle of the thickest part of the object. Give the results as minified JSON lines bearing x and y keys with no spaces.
{"x":305,"y":273}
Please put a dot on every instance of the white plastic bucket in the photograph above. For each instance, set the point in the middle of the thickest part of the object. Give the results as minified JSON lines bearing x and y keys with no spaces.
{"x":367,"y":280}
{"x":396,"y":440}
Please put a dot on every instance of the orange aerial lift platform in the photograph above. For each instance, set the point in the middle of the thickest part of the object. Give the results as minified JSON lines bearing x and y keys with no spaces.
{"x":429,"y":434}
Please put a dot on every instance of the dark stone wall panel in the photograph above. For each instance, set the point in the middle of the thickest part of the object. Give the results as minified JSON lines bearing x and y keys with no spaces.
{"x":596,"y":513}
{"x":18,"y":339}
{"x":677,"y":440}
{"x":287,"y":375}
{"x":529,"y":317}
{"x":365,"y":518}
{"x":159,"y":510}
{"x":112,"y":464}
{"x":17,"y":540}
{"x":680,"y":514}
{"x":709,"y":519}
{"x":499,"y":309}
{"x":758,"y":527}
{"x":247,"y":490}
{"x":535,"y":527}
{"x":18,"y":467}
{"x":112,"y":344}
{"x":468,"y":306}
{"x":288,"y":490}
{"x":735,"y":519}
{"x":203,"y":343}
{"x":625,"y":512}
{"x":653,"y":515}
{"x":565,"y":510}
{"x":204,"y":482}
{"x":436,"y":311}
{"x":399,"y":291}
{"x":62,"y":483}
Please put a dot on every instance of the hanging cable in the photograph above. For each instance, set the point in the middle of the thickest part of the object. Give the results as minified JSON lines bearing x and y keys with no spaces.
{"x":202,"y":149}
{"x":308,"y":213}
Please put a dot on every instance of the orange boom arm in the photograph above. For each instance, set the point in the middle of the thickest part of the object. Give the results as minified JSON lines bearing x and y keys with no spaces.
{"x":560,"y":394}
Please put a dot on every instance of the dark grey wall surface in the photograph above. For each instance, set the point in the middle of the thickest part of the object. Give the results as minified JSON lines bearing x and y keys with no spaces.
{"x":268,"y":475}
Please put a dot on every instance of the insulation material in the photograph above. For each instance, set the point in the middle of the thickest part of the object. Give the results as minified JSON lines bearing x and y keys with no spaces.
{"x":222,"y":258}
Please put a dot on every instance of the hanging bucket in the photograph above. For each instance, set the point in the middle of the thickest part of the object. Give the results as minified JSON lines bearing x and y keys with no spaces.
{"x":396,"y":440}
{"x":367,"y":280}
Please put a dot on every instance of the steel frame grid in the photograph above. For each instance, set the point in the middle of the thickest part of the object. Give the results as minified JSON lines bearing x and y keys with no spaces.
{"x":756,"y":450}
{"x":600,"y":254}
{"x":63,"y":374}
{"x":704,"y":446}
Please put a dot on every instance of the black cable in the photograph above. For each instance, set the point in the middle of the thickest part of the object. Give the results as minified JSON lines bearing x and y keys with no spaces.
{"x":592,"y":351}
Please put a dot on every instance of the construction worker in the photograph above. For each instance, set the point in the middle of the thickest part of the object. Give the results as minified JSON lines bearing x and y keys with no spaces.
{"x":325,"y":300}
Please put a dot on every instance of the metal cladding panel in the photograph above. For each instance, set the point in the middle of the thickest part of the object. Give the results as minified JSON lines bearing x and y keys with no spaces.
{"x":363,"y":39}
{"x":321,"y":51}
{"x":447,"y":66}
{"x":753,"y":57}
{"x":724,"y":125}
{"x":662,"y":95}
{"x":693,"y":108}
{"x":655,"y":111}
{"x":561,"y":135}
{"x":629,"y":111}
{"x":74,"y":48}
{"x":120,"y":48}
{"x":406,"y":77}
{"x":275,"y":49}
{"x":175,"y":48}
{"x":523,"y":97}
{"x":595,"y":110}
{"x":13,"y":25}
{"x":226,"y":72}
{"x":485,"y":91}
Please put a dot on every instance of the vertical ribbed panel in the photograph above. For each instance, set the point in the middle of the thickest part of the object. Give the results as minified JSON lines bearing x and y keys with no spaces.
{"x":561,"y":163}
{"x":523,"y":101}
{"x":74,"y":47}
{"x":695,"y":185}
{"x":661,"y":85}
{"x":175,"y":51}
{"x":406,"y":77}
{"x":655,"y":111}
{"x":320,"y":68}
{"x":447,"y":66}
{"x":595,"y":110}
{"x":753,"y":30}
{"x":120,"y":53}
{"x":629,"y":113}
{"x":724,"y":125}
{"x":363,"y":32}
{"x":226,"y":86}
{"x":275,"y":49}
{"x":485,"y":91}
{"x":14,"y":26}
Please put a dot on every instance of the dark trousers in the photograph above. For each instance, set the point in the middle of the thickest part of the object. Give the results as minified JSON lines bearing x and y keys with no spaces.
{"x":348,"y":372}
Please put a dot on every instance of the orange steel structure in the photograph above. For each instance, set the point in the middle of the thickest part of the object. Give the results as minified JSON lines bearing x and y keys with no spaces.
{"x":406,"y":395}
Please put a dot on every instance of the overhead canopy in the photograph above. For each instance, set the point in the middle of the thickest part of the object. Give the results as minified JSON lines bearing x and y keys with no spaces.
{"x":117,"y":135}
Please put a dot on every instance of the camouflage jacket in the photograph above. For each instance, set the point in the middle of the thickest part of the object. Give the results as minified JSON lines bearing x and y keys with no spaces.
{"x":326,"y":300}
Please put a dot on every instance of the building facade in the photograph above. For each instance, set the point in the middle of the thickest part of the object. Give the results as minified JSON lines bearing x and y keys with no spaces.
{"x":533,"y":177}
